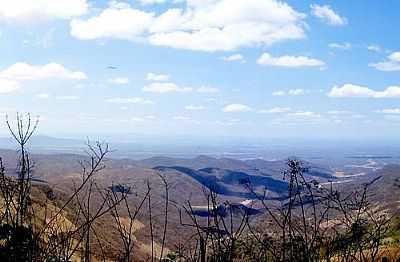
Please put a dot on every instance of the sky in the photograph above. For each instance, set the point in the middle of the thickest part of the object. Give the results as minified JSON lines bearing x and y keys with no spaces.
{"x":203,"y":68}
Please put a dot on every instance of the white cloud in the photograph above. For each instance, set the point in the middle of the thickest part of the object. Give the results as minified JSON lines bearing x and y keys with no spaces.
{"x":207,"y":89}
{"x":70,"y":98}
{"x":211,"y":100}
{"x":275,"y":110}
{"x":165,"y":88}
{"x":195,"y":107}
{"x":119,"y":81}
{"x":234,"y":57}
{"x":24,"y":11}
{"x":339,"y":112}
{"x":117,"y":21}
{"x":79,"y":86}
{"x":325,"y":13}
{"x":343,"y":46}
{"x":152,"y":2}
{"x":358,"y":116}
{"x":142,"y":119}
{"x":43,"y":96}
{"x":392,"y":118}
{"x":395,"y":57}
{"x":291,"y":92}
{"x":228,"y":122}
{"x":150,"y":117}
{"x":217,"y":25}
{"x":391,"y":64}
{"x":305,"y":114}
{"x":128,"y":100}
{"x":296,"y":92}
{"x":375,"y":48}
{"x":181,"y":118}
{"x":337,"y":121}
{"x":279,"y":93}
{"x":157,"y":77}
{"x":391,"y":111}
{"x":350,"y":90}
{"x":24,"y":71}
{"x":236,"y":108}
{"x":8,"y":86}
{"x":289,"y":61}
{"x":11,"y":77}
{"x":137,"y":119}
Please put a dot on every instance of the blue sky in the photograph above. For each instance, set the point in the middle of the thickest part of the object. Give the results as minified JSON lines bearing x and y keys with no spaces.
{"x":254,"y":68}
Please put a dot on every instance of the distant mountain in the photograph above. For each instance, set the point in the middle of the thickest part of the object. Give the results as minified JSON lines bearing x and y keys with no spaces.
{"x":46,"y":143}
{"x":232,"y":183}
{"x":277,"y":167}
{"x":386,"y":189}
{"x":231,"y":178}
{"x":195,"y":163}
{"x":258,"y":167}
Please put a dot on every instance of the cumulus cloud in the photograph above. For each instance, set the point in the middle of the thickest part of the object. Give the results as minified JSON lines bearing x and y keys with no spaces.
{"x":24,"y":11}
{"x":137,"y":119}
{"x":305,"y":114}
{"x":152,"y":2}
{"x":119,"y":81}
{"x":24,"y":71}
{"x":289,"y":61}
{"x":358,"y":116}
{"x":181,"y":118}
{"x":11,"y":77}
{"x":234,"y":57}
{"x":390,"y":111}
{"x":296,"y":92}
{"x":8,"y":86}
{"x":326,"y":14}
{"x":339,"y":112}
{"x":68,"y":98}
{"x":279,"y":93}
{"x":128,"y":100}
{"x":165,"y":88}
{"x":236,"y":108}
{"x":343,"y":46}
{"x":194,"y":107}
{"x":291,"y":92}
{"x":157,"y":77}
{"x":43,"y":96}
{"x":117,"y":21}
{"x":392,"y":118}
{"x":395,"y":56}
{"x":217,"y":25}
{"x":350,"y":90}
{"x":275,"y":110}
{"x":207,"y":89}
{"x":374,"y":48}
{"x":392,"y":63}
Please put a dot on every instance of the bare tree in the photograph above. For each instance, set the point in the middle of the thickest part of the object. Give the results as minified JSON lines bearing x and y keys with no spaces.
{"x":314,"y":223}
{"x":23,"y":237}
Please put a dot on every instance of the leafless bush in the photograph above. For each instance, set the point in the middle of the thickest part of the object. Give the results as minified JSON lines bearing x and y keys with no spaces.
{"x":62,"y":231}
{"x":314,"y":223}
